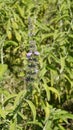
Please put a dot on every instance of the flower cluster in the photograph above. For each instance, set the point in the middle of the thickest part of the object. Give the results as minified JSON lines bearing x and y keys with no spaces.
{"x":33,"y":54}
{"x":32,"y":65}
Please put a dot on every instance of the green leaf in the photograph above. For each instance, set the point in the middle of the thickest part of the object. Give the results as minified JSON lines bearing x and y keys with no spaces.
{"x":10,"y":96}
{"x":52,"y":89}
{"x":8,"y":29}
{"x":44,"y":36}
{"x":9,"y":34}
{"x":3,"y":68}
{"x":35,"y":123}
{"x":53,"y":76}
{"x":14,"y":24}
{"x":3,"y":113}
{"x":62,"y":60}
{"x":66,"y":76}
{"x":42,"y":72}
{"x":33,"y":108}
{"x":47,"y":91}
{"x":70,"y":35}
{"x":4,"y":92}
{"x":61,"y":127}
{"x":18,"y":36}
{"x":42,"y":26}
{"x":22,"y":115}
{"x":19,"y":98}
{"x":47,"y":112}
{"x":13,"y":125}
{"x":21,"y":11}
{"x":10,"y":43}
{"x":48,"y":125}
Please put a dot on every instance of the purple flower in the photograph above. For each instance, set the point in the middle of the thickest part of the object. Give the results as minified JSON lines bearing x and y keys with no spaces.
{"x":36,"y":53}
{"x":29,"y":54}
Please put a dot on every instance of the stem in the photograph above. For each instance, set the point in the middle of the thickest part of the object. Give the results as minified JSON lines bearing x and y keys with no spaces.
{"x":31,"y":55}
{"x":2,"y":96}
{"x":2,"y":55}
{"x":2,"y":62}
{"x":61,"y":21}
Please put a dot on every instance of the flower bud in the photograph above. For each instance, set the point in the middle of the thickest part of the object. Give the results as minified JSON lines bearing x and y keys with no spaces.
{"x":36,"y":53}
{"x":29,"y":54}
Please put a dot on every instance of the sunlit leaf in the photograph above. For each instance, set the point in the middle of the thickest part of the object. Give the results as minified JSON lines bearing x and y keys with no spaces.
{"x":13,"y":125}
{"x":48,"y":125}
{"x":18,"y":36}
{"x":22,"y":116}
{"x":14,"y":25}
{"x":21,"y":11}
{"x":9,"y":34}
{"x":62,"y":60}
{"x":33,"y":108}
{"x":3,"y":68}
{"x":8,"y":99}
{"x":47,"y":91}
{"x":3,"y":113}
{"x":19,"y":98}
{"x":47,"y":111}
{"x":35,"y":123}
{"x":61,"y":127}
{"x":10,"y":43}
{"x":52,"y":89}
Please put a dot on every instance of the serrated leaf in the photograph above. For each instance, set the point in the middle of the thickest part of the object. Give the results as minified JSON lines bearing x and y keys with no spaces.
{"x":11,"y":96}
{"x":48,"y":125}
{"x":33,"y":108}
{"x":44,"y":36}
{"x":47,"y":112}
{"x":18,"y":36}
{"x":14,"y":25}
{"x":42,"y":72}
{"x":42,"y":26}
{"x":3,"y":113}
{"x":35,"y":123}
{"x":52,"y":89}
{"x":10,"y":43}
{"x":47,"y":91}
{"x":9,"y":34}
{"x":68,"y":79}
{"x":21,"y":10}
{"x":19,"y":98}
{"x":8,"y":30}
{"x":22,"y":116}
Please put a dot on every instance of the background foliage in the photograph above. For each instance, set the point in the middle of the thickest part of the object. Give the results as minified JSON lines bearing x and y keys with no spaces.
{"x":49,"y":106}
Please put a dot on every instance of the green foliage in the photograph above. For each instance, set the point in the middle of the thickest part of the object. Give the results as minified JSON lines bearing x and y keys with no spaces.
{"x":45,"y":103}
{"x":3,"y":68}
{"x":57,"y":119}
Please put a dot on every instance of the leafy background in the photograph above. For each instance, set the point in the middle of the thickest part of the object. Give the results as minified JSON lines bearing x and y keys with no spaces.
{"x":49,"y":105}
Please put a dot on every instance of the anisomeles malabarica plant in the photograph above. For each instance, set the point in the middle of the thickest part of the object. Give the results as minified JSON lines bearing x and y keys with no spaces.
{"x":32,"y":55}
{"x":55,"y":59}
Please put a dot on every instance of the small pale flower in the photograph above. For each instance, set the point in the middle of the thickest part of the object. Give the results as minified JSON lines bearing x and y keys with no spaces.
{"x":29,"y":54}
{"x":36,"y":53}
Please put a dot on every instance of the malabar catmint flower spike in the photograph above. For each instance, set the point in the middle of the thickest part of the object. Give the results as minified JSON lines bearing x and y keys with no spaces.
{"x":32,"y":54}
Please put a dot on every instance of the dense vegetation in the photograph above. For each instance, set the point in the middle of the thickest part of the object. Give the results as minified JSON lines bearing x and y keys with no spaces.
{"x":36,"y":65}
